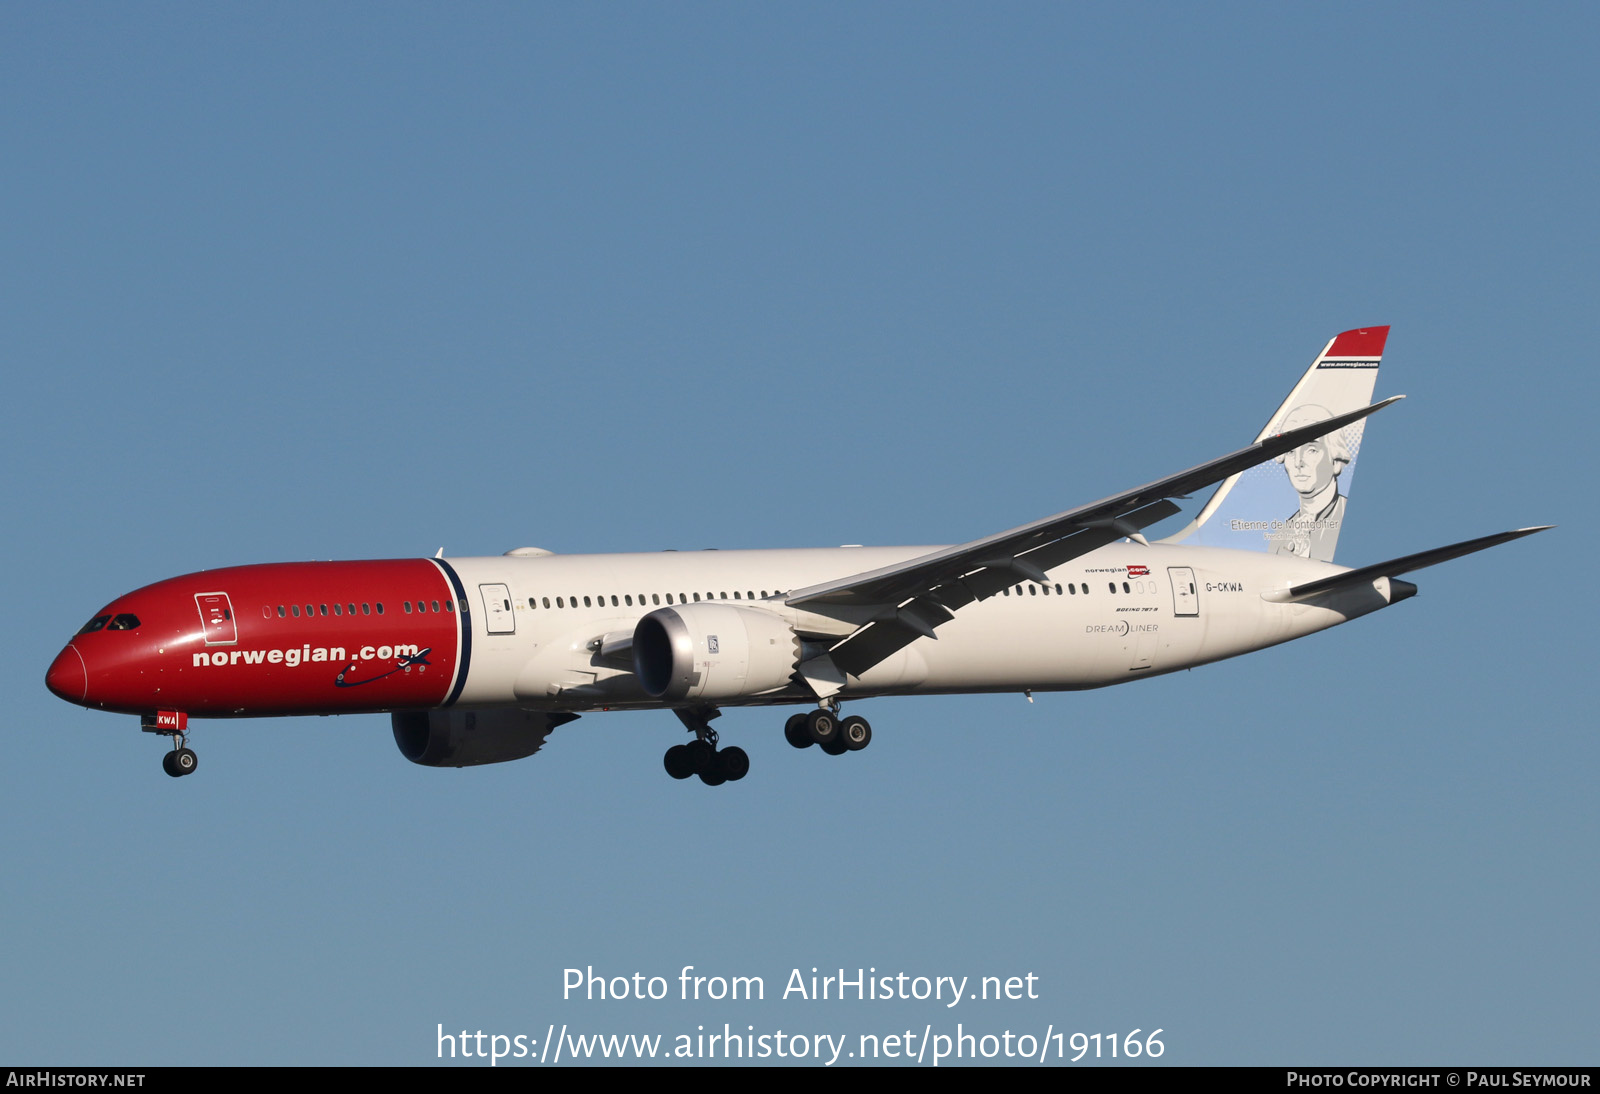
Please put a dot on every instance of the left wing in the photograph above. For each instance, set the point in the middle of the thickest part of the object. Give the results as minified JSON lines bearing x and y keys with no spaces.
{"x":916,"y":596}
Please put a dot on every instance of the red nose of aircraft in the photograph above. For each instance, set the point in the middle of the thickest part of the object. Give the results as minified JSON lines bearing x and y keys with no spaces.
{"x":67,"y":677}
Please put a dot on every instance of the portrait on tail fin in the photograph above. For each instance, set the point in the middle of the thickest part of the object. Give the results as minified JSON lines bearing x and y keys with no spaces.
{"x":1313,"y":469}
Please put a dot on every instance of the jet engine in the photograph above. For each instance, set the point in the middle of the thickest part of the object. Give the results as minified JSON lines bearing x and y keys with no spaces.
{"x":713,"y":651}
{"x":466,"y":738}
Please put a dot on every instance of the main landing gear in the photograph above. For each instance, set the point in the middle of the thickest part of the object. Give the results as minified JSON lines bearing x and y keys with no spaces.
{"x":824,"y":727}
{"x":701,"y":756}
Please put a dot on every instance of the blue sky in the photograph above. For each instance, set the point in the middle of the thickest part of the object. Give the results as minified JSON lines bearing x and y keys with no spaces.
{"x":363,"y":281}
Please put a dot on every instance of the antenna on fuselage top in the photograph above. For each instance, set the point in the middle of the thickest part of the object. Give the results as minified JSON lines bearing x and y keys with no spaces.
{"x":439,"y":553}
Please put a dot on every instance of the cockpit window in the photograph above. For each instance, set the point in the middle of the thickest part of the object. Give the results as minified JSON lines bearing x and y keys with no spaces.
{"x":95,"y":624}
{"x":124,"y":622}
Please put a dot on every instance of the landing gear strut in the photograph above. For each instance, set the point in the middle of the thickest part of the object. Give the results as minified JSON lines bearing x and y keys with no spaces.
{"x":824,"y":727}
{"x":701,"y":756}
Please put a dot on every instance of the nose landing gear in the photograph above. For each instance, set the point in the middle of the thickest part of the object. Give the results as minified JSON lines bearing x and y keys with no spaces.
{"x":180,"y":761}
{"x":175,"y":724}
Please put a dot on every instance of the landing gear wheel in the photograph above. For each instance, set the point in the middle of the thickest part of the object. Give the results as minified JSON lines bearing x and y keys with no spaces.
{"x":701,"y":756}
{"x":836,"y":747}
{"x":713,"y":776}
{"x":678,"y":762}
{"x":796,"y":733}
{"x":822,"y":726}
{"x":855,"y":732}
{"x":180,"y":761}
{"x":733,"y":763}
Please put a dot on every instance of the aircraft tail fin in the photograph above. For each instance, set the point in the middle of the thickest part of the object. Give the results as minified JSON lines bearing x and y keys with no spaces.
{"x":1296,"y":503}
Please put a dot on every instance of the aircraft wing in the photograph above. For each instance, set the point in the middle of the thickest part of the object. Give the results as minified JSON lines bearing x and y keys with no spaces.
{"x":916,"y":596}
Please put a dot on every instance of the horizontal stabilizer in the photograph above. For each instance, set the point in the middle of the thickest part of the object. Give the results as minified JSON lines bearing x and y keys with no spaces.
{"x":1397,"y":566}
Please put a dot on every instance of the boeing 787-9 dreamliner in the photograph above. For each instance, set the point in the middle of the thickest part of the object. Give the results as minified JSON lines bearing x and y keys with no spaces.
{"x":477,"y":660}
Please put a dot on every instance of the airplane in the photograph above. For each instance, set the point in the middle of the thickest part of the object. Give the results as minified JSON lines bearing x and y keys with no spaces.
{"x":478,"y":660}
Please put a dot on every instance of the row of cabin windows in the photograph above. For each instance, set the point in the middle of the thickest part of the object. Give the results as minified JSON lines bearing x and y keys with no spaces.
{"x":293,"y":610}
{"x":1073,"y":590}
{"x":310,"y":610}
{"x":656,"y":599}
{"x":627,"y":599}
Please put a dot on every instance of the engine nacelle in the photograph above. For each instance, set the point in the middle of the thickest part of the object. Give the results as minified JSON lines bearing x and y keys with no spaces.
{"x":466,"y":738}
{"x":713,"y":651}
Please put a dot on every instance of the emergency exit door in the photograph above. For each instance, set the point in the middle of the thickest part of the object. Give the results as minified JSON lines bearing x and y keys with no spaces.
{"x":498,"y":617}
{"x":1185,"y":595}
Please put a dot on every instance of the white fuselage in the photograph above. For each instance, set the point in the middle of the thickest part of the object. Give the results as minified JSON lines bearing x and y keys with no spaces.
{"x":1113,"y":615}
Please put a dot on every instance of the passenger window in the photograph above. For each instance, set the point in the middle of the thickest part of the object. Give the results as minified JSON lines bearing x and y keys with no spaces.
{"x":697,"y":598}
{"x":559,"y":604}
{"x":366,"y":609}
{"x":587,"y":603}
{"x":1058,"y":590}
{"x":627,"y":599}
{"x":295,"y":608}
{"x":435,"y":605}
{"x":1006,"y":591}
{"x":1112,"y":585}
{"x":280,"y":611}
{"x":406,"y":604}
{"x":735,"y":594}
{"x":1125,"y":587}
{"x":655,"y":598}
{"x":547,"y":601}
{"x":378,"y":607}
{"x":1033,"y":590}
{"x":614,"y":603}
{"x":450,"y":606}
